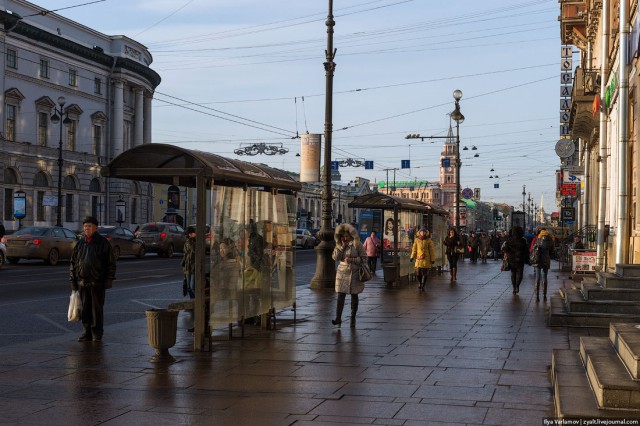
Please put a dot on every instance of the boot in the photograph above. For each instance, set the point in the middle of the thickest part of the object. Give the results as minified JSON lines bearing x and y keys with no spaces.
{"x":537,"y":288}
{"x":544,"y":290}
{"x":339,"y":308}
{"x":454,"y":273}
{"x":354,"y":309}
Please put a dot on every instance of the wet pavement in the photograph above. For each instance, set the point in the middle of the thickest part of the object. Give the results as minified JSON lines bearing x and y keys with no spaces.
{"x":463,"y":353}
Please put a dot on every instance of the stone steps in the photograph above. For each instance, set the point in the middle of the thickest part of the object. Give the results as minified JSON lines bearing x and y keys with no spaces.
{"x":572,"y":395}
{"x":611,"y":280}
{"x":628,"y":270}
{"x":560,"y":316}
{"x":598,"y":381}
{"x":576,"y":303}
{"x":592,"y":291}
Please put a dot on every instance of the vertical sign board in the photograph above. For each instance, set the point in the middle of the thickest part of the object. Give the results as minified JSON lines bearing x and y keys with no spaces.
{"x":310,"y":157}
{"x":121,"y":211}
{"x":19,"y":205}
{"x":566,"y":67}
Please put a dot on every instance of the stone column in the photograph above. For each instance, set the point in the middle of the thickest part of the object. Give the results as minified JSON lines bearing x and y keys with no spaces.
{"x":147,"y":119}
{"x":138,"y":126}
{"x":117,"y":125}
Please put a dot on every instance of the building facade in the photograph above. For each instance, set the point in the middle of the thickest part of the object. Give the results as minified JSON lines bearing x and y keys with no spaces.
{"x":100,"y":88}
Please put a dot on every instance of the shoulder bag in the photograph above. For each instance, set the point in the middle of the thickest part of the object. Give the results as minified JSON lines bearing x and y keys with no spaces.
{"x":364,"y":274}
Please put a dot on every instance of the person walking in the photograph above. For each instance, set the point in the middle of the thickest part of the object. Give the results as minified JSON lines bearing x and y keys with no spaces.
{"x":474,"y":243}
{"x":453,"y":243}
{"x":485,"y":245}
{"x":424,"y":254}
{"x":372,"y":246}
{"x":541,"y":260}
{"x":189,"y":262}
{"x":517,"y":254}
{"x":350,"y":254}
{"x":92,"y":270}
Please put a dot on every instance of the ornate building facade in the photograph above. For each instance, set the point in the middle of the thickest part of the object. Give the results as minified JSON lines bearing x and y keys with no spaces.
{"x":102,"y":86}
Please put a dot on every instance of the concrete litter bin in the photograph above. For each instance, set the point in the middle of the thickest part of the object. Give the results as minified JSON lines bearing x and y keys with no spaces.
{"x":162,"y":326}
{"x":389,"y":272}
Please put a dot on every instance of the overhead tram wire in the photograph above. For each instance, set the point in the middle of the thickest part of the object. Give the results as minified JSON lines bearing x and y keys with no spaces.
{"x":45,"y":12}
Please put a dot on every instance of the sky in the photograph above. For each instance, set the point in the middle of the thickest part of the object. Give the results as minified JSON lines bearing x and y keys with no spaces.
{"x":238,"y":72}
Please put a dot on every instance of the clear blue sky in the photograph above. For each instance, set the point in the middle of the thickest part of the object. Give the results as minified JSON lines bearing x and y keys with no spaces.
{"x":398,"y":63}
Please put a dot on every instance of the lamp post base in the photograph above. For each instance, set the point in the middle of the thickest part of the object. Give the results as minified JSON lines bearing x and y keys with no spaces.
{"x":325,"y":276}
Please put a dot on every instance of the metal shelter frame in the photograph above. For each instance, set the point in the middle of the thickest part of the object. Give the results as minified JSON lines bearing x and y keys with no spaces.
{"x":173,"y":165}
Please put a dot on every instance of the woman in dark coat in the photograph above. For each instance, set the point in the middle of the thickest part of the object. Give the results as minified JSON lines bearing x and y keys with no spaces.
{"x":517,"y":253}
{"x":350,"y":255}
{"x":451,"y":242}
{"x":541,"y":250}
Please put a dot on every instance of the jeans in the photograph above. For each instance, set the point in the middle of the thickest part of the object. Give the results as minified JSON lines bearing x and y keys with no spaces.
{"x":538,"y":275}
{"x":191,"y":285}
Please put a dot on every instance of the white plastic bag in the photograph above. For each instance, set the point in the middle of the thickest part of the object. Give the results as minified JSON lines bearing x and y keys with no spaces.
{"x":75,"y":307}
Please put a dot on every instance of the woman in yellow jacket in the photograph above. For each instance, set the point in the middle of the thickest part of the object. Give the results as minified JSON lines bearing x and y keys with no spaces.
{"x":423,"y":253}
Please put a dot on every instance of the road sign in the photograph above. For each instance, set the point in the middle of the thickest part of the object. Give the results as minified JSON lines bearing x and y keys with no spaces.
{"x":335,"y":165}
{"x":406,"y":164}
{"x":446,"y":162}
{"x":568,"y":214}
{"x":368,"y":165}
{"x":467,"y":193}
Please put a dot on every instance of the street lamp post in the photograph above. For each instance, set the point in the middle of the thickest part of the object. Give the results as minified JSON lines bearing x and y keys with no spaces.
{"x":325,"y":275}
{"x":55,"y":119}
{"x":524,"y":210}
{"x":459,"y":118}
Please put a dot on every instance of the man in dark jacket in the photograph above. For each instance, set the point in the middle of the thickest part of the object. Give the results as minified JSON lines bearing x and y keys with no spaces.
{"x":92,"y":270}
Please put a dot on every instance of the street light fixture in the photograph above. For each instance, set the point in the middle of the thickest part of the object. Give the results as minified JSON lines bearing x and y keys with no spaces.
{"x":55,"y":119}
{"x":459,"y":118}
{"x":524,"y":209}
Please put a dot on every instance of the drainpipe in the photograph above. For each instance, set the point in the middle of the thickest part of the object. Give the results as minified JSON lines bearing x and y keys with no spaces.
{"x":622,"y":234}
{"x":602,"y":157}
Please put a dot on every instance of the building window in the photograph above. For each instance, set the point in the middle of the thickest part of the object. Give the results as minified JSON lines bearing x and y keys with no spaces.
{"x":97,"y":86}
{"x":44,"y":68}
{"x":43,"y":130}
{"x":10,"y":127}
{"x":12,"y":59}
{"x":68,"y":208}
{"x":8,"y":204}
{"x":134,"y":210}
{"x":71,"y":135}
{"x":73,"y":77}
{"x":97,"y":140}
{"x":94,"y":207}
{"x":127,"y":135}
{"x":39,"y":206}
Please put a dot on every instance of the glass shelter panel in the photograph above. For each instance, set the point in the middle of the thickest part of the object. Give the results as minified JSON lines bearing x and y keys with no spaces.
{"x":409,"y":223}
{"x":251,"y":267}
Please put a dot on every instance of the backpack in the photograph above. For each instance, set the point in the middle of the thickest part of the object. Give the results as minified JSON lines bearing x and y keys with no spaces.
{"x":534,"y":256}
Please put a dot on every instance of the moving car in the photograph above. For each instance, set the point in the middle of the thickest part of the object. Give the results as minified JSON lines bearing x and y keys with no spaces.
{"x":162,"y":237}
{"x":3,"y":255}
{"x":49,"y":243}
{"x":123,"y":241}
{"x":304,"y":238}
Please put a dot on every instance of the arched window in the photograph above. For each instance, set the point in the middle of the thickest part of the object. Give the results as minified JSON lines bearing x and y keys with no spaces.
{"x":95,"y":186}
{"x":69,"y":183}
{"x":10,"y":177}
{"x":41,"y":180}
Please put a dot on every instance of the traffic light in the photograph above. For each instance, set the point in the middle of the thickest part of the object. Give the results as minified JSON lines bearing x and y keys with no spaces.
{"x":298,"y":215}
{"x":496,"y":215}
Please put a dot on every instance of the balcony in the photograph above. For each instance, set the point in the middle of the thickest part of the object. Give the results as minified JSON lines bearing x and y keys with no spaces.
{"x":573,"y":22}
{"x":586,"y":87}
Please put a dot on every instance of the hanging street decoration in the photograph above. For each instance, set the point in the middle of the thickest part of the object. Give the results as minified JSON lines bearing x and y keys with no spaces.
{"x":350,"y":162}
{"x":261,"y":148}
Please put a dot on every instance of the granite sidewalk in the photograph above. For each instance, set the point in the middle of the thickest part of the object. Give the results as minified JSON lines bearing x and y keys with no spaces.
{"x":464,"y":353}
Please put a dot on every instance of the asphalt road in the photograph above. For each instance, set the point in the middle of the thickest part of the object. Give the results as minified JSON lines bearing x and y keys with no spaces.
{"x":34,"y":297}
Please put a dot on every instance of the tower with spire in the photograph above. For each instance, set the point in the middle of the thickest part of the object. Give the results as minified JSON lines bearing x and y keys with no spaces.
{"x":448,"y":174}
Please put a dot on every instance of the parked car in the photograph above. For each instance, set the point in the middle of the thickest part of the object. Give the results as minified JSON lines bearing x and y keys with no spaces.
{"x":49,"y":243}
{"x":123,"y":241}
{"x":304,"y":238}
{"x":162,"y":237}
{"x":3,"y":255}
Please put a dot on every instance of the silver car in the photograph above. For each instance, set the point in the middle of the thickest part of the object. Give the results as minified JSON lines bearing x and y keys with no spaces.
{"x":49,"y":243}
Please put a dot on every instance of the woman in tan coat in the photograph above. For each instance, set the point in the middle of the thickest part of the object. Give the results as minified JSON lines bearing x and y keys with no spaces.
{"x":351,"y":256}
{"x":423,"y":253}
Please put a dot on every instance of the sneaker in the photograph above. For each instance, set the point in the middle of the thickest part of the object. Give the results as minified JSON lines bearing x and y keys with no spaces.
{"x":84,"y":338}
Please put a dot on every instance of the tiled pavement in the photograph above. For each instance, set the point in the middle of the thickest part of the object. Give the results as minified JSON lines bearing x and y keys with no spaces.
{"x":463,"y":353}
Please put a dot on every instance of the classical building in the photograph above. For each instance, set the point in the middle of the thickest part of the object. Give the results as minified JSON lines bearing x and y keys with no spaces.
{"x":73,"y":94}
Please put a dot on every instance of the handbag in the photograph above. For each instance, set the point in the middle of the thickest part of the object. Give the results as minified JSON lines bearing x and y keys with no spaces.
{"x":458,"y":250}
{"x":364,"y":274}
{"x":74,"y":313}
{"x":505,"y":264}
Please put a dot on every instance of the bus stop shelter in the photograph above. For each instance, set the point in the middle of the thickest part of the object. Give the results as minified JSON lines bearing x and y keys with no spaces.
{"x":252,"y":218}
{"x":401,"y":219}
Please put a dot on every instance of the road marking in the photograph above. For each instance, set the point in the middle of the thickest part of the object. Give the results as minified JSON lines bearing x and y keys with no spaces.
{"x":146,"y":304}
{"x":65,"y":329}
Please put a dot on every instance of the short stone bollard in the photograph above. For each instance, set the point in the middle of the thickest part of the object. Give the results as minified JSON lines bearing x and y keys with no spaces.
{"x":162,"y":326}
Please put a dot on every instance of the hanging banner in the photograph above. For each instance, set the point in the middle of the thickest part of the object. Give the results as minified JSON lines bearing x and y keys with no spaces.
{"x":310,"y":147}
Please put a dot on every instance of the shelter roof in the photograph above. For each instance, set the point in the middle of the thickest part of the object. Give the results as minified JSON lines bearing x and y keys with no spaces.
{"x":174,"y":165}
{"x":378,"y":200}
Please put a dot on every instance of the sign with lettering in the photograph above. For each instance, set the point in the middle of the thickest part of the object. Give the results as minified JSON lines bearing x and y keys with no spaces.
{"x":569,"y":189}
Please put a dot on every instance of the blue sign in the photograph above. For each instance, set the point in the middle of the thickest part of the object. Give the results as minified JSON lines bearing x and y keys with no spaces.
{"x":446,"y":162}
{"x":335,"y":165}
{"x":406,"y":164}
{"x":19,"y":205}
{"x":411,"y":188}
{"x":368,"y":165}
{"x":496,"y":185}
